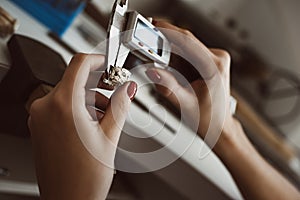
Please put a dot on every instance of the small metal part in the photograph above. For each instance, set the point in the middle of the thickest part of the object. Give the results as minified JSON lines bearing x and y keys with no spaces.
{"x":116,"y":27}
{"x":117,"y":76}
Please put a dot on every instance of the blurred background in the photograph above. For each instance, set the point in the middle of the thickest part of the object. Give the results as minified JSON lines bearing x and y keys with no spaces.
{"x":262,"y":38}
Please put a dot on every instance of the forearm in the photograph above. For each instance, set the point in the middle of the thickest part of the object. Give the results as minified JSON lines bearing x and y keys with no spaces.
{"x":71,"y":172}
{"x":254,"y":176}
{"x":82,"y":185}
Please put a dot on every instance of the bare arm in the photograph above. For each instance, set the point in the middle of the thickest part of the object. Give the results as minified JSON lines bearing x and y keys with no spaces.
{"x":253,"y":175}
{"x":256,"y":178}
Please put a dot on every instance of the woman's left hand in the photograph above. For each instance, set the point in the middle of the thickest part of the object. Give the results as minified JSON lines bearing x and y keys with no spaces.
{"x":74,"y":144}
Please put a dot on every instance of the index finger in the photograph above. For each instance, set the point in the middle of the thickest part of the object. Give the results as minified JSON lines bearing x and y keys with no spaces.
{"x":80,"y":67}
{"x":190,"y":48}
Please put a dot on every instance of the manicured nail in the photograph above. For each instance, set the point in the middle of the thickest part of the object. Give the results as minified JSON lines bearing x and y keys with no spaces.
{"x":131,"y":90}
{"x":153,"y":75}
{"x":154,"y":22}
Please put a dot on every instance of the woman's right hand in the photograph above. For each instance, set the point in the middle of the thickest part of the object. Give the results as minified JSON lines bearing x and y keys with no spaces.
{"x":210,"y":97}
{"x":210,"y":94}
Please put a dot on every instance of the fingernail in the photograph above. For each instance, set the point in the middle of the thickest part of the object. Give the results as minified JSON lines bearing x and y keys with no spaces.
{"x":131,"y":90}
{"x":153,"y":75}
{"x":154,"y":22}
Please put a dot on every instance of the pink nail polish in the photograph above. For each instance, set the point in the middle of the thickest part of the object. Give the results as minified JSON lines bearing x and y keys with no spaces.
{"x":131,"y":90}
{"x":153,"y":75}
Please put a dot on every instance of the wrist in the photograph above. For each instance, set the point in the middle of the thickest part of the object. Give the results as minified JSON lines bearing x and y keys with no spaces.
{"x":232,"y":140}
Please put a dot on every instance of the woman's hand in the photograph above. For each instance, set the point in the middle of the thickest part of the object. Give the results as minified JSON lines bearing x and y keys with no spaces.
{"x":74,"y":143}
{"x":209,"y":96}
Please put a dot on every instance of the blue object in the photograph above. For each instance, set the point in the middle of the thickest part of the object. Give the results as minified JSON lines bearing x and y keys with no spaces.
{"x":57,"y":15}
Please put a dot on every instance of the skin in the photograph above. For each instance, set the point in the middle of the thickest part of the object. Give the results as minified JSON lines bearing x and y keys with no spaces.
{"x":67,"y":170}
{"x":254,"y":176}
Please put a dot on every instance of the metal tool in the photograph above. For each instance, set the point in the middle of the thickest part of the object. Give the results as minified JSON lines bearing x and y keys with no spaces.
{"x":131,"y":32}
{"x":115,"y":48}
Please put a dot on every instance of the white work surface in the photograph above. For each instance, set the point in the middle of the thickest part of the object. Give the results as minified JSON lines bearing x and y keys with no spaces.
{"x":209,"y":167}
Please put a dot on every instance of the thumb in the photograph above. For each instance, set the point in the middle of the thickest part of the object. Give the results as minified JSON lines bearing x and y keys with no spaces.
{"x":116,"y":112}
